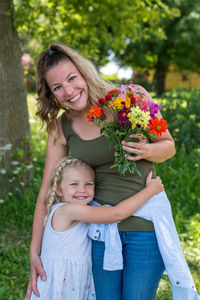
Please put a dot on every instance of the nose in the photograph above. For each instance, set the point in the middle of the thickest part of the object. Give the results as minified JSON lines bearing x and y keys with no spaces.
{"x":82,"y":188}
{"x":68,"y":89}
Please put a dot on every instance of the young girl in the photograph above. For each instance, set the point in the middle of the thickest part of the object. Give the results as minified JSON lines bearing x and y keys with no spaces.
{"x":66,"y":247}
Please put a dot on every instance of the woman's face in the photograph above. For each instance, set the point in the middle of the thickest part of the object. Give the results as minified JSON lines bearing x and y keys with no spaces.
{"x":68,"y":86}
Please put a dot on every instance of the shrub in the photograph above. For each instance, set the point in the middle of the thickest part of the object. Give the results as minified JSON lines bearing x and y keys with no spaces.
{"x":182,"y":110}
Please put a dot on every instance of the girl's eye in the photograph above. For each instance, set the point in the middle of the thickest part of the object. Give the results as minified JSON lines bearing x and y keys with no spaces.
{"x":89,"y":184}
{"x":74,"y":183}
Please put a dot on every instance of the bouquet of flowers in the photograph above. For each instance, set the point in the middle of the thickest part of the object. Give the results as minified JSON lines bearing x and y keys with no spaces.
{"x":131,"y":114}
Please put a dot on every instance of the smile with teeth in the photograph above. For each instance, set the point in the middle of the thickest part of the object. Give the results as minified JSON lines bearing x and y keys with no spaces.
{"x":81,"y":197}
{"x":75,"y":98}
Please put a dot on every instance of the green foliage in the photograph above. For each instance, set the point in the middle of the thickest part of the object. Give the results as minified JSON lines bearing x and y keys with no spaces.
{"x":179,"y":46}
{"x":181,"y":109}
{"x":94,"y":27}
{"x":181,"y":178}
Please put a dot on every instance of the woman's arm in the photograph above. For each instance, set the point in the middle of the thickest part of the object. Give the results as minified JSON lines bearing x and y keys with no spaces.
{"x":162,"y":149}
{"x":55,"y":151}
{"x":105,"y":214}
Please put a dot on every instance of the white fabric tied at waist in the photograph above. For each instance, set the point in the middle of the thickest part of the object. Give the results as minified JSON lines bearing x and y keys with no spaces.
{"x":109,"y":234}
{"x":157,"y":210}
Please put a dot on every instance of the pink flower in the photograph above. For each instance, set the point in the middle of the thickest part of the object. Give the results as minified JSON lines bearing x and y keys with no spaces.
{"x":144,"y":105}
{"x":132,"y":87}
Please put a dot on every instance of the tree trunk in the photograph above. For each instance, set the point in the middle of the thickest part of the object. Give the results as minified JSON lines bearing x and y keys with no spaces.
{"x":159,"y":78}
{"x":14,"y":121}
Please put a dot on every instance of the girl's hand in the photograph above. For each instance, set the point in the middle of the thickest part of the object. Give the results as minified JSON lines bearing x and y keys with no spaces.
{"x":36,"y":269}
{"x":140,"y":148}
{"x":156,"y":184}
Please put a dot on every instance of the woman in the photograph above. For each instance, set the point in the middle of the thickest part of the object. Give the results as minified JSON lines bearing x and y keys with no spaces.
{"x":66,"y":80}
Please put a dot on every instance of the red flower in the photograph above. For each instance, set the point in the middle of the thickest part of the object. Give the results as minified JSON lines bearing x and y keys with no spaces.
{"x":158,"y":126}
{"x":134,"y":100}
{"x":101,"y":101}
{"x":108,"y":97}
{"x":94,"y":111}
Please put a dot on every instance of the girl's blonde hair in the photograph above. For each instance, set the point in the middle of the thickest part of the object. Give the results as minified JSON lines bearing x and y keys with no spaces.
{"x":57,"y":176}
{"x":48,"y":106}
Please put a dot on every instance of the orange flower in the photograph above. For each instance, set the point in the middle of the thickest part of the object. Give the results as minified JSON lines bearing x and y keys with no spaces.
{"x":158,"y":126}
{"x":114,"y":92}
{"x":94,"y":111}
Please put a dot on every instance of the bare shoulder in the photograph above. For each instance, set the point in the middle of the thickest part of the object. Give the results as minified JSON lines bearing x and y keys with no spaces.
{"x":61,"y":219}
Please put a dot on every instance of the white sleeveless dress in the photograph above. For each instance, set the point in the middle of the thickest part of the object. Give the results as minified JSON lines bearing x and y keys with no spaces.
{"x":66,"y":258}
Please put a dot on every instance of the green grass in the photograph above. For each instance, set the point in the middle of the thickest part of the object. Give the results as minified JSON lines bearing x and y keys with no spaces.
{"x":180,"y":176}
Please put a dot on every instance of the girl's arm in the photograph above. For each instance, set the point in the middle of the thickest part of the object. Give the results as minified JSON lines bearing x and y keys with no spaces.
{"x":105,"y":214}
{"x":162,"y":149}
{"x":55,"y":151}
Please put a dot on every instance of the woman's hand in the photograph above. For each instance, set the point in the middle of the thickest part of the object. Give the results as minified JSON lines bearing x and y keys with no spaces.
{"x":140,"y":148}
{"x":36,"y":269}
{"x":29,"y":291}
{"x":155,"y":184}
{"x":160,"y":150}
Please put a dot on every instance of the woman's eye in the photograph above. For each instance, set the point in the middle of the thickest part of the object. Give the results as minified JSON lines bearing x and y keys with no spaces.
{"x":72,"y":78}
{"x":56,"y":88}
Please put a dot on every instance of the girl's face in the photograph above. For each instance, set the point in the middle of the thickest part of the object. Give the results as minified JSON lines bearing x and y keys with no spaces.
{"x":68,"y":86}
{"x":77,"y":185}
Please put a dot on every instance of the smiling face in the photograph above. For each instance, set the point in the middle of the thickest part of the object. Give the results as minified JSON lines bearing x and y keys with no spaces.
{"x":68,"y":86}
{"x":77,"y":185}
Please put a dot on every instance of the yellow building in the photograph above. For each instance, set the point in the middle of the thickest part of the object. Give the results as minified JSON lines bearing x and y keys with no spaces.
{"x":175,"y":78}
{"x":185,"y":79}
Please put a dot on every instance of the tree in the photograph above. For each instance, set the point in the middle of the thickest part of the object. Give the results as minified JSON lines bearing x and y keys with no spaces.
{"x":180,"y":46}
{"x":13,"y":108}
{"x":96,"y":28}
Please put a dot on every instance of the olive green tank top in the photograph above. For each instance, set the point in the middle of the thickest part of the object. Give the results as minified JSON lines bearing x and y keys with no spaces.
{"x":110,"y":187}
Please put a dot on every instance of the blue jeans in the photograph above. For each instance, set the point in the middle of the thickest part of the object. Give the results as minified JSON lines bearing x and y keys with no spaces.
{"x":143,"y":268}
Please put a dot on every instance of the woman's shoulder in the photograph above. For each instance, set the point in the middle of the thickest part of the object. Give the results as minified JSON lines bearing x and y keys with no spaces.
{"x":62,"y":128}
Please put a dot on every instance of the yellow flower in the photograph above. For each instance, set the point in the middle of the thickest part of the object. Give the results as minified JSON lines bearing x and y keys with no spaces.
{"x":118,"y":103}
{"x":127,"y":101}
{"x":138,"y":117}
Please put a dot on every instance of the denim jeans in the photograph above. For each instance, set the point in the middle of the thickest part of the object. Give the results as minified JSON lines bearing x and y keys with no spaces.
{"x":143,"y":268}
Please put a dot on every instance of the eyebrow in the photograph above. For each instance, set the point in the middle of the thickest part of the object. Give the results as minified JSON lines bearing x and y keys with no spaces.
{"x":65,"y":78}
{"x":70,"y":180}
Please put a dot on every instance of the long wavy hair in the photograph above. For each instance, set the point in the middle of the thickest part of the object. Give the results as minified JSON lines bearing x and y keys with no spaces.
{"x":48,"y":106}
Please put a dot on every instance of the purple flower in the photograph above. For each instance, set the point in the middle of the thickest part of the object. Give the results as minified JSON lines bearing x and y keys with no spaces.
{"x":122,"y":117}
{"x":123,"y":91}
{"x":153,"y":109}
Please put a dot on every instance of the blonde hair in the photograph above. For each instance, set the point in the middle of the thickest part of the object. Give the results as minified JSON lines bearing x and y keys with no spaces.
{"x":48,"y":106}
{"x":56,"y":179}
